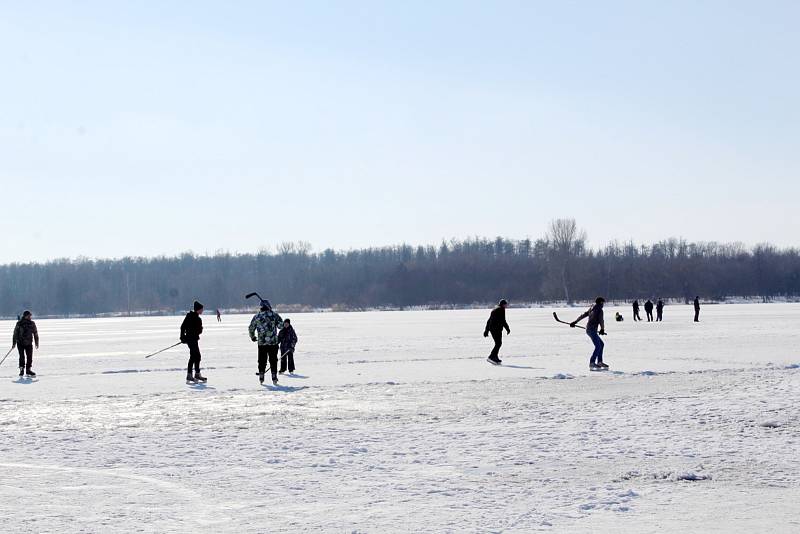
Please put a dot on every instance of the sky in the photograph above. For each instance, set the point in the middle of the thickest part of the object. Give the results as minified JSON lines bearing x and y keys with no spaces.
{"x":151,"y":128}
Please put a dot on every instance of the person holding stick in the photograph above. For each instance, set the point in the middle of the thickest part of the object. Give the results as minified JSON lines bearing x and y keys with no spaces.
{"x":595,"y":315}
{"x":267,"y":323}
{"x":25,"y":335}
{"x":191,"y":328}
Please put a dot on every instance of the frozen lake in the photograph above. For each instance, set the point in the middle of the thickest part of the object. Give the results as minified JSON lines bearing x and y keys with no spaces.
{"x":395,"y":422}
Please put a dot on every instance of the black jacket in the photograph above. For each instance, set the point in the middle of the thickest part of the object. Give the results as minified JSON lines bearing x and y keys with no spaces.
{"x":648,"y":306}
{"x":595,"y":315}
{"x":288,"y":339}
{"x":497,"y":320}
{"x":696,"y":304}
{"x":191,"y":327}
{"x":25,"y":333}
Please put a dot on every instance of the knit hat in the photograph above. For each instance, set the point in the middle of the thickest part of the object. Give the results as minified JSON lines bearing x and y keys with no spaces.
{"x":265,"y":305}
{"x":26,"y":313}
{"x":198,"y":306}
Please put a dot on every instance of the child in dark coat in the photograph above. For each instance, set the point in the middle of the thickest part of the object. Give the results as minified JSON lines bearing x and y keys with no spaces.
{"x":288,"y":339}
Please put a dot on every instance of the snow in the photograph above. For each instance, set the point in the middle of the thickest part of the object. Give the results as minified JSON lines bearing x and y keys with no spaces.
{"x":395,"y":422}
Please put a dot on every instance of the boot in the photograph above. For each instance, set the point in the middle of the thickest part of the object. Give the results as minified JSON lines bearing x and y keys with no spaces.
{"x":260,"y":378}
{"x":190,"y":379}
{"x":30,"y":372}
{"x":21,"y":371}
{"x":199,"y":378}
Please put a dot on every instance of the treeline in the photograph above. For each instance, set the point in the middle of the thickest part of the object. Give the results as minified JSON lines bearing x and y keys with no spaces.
{"x":556,"y":267}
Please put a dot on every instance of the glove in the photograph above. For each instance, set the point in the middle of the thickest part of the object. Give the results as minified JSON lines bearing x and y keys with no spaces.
{"x":485,"y":333}
{"x":183,"y":339}
{"x":602,"y":332}
{"x":253,"y":339}
{"x":572,"y":325}
{"x":508,"y":331}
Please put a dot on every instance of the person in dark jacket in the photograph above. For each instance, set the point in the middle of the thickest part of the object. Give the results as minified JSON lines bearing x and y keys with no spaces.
{"x":636,"y":316}
{"x":648,"y":310}
{"x":495,"y":325}
{"x":25,"y":335}
{"x":595,"y":315}
{"x":191,"y":328}
{"x":287,"y":339}
{"x":697,"y":309}
{"x":659,"y":310}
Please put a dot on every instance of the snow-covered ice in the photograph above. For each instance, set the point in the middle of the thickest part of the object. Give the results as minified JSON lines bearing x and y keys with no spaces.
{"x":395,"y":422}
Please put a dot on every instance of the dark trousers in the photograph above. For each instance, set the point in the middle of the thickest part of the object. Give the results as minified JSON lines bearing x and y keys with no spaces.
{"x":25,"y":350}
{"x":194,"y":357}
{"x":268,"y":353}
{"x":498,"y":342}
{"x":697,"y":315}
{"x":636,"y":316}
{"x":597,"y":355}
{"x":287,"y":358}
{"x":659,"y":315}
{"x":649,"y":315}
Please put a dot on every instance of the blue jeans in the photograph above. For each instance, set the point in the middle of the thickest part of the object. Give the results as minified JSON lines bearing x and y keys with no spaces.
{"x":597,"y":355}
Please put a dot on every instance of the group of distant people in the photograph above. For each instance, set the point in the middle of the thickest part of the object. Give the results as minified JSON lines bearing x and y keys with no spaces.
{"x":659,"y":306}
{"x":648,"y":310}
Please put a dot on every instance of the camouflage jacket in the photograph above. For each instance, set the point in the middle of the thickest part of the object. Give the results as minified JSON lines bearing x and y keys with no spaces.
{"x":267,"y":323}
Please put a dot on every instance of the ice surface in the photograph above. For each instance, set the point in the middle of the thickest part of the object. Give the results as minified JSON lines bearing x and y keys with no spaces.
{"x":395,"y":422}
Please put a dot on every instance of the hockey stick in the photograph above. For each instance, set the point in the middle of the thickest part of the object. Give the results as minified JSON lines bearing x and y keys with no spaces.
{"x":555,"y":316}
{"x":162,"y":350}
{"x":253,"y":294}
{"x":6,"y":356}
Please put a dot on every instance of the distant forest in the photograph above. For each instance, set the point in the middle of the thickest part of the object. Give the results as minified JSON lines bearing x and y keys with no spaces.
{"x":556,"y":267}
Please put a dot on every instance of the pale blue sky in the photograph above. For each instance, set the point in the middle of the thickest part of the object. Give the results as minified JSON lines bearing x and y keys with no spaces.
{"x":143,"y":128}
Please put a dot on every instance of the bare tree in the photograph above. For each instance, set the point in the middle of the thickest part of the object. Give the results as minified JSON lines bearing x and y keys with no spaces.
{"x":567,"y":242}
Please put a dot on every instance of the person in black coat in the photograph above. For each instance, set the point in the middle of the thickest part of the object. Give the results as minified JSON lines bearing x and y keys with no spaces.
{"x":697,"y":309}
{"x":25,"y":334}
{"x":636,"y":316}
{"x":287,"y":338}
{"x":648,"y":310}
{"x":659,"y":310}
{"x":495,"y":325}
{"x":191,"y":328}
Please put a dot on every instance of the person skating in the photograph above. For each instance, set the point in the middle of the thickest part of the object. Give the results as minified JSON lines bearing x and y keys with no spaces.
{"x":266,"y":322}
{"x":287,"y":338}
{"x":636,"y":316}
{"x":595,"y":315}
{"x":25,"y":336}
{"x":697,"y":309}
{"x":191,"y":328}
{"x":219,"y":316}
{"x":495,"y":325}
{"x":659,"y":310}
{"x":648,"y":310}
